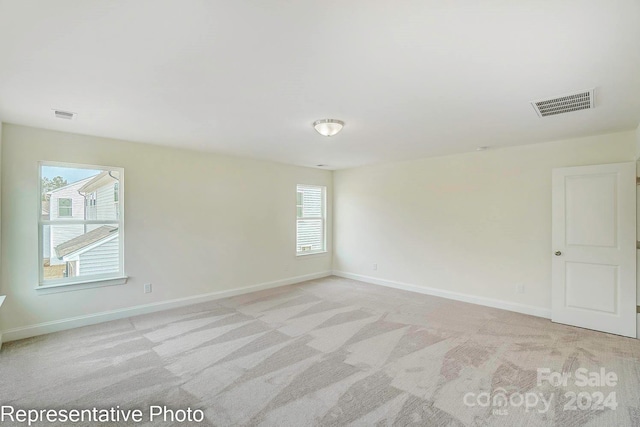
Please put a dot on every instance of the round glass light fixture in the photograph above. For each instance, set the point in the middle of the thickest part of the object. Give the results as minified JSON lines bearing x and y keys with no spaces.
{"x":328,"y":127}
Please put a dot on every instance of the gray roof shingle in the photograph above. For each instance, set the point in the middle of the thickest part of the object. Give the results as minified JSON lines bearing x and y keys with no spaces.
{"x":84,"y":240}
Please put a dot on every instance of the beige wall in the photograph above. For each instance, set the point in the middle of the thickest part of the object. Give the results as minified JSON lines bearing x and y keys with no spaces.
{"x":476,"y":223}
{"x":195,"y":223}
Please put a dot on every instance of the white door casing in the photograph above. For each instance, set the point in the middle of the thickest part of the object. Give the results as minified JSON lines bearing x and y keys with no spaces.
{"x":594,"y":247}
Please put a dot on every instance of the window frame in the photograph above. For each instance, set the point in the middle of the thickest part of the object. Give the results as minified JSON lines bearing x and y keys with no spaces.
{"x":81,"y":282}
{"x":116,"y":198}
{"x":323,"y":189}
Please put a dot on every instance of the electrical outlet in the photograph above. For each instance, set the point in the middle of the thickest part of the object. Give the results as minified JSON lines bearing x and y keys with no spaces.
{"x":520,"y":288}
{"x":147,"y":288}
{"x":375,"y":267}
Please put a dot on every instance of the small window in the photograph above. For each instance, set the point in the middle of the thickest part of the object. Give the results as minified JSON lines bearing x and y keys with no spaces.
{"x":82,"y":240}
{"x":65,"y":208}
{"x":90,"y":209}
{"x":310,"y":221}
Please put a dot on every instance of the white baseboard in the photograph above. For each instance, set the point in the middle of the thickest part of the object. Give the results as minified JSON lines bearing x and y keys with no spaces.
{"x":489,"y":302}
{"x":105,"y":316}
{"x":637,"y":326}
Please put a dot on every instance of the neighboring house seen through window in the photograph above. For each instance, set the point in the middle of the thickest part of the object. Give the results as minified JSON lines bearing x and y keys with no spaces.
{"x":311,"y":219}
{"x":80,"y":227}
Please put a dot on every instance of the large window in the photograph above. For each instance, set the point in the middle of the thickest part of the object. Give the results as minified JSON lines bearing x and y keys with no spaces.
{"x":311,"y":219}
{"x":81,"y":224}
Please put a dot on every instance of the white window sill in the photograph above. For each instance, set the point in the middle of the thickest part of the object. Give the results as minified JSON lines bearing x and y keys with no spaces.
{"x":76,"y":286}
{"x":304,"y":254}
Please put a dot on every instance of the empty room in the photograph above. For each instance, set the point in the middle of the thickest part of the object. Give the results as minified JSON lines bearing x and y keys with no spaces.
{"x":305,"y":213}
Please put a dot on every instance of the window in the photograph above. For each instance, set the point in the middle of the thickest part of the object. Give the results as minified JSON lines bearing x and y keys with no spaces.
{"x":65,"y":208}
{"x":91,"y":211}
{"x":310,"y":222}
{"x":82,"y":240}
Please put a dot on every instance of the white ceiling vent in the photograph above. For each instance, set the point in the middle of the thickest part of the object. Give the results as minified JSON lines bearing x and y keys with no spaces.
{"x":564,"y":104}
{"x":67,"y":115}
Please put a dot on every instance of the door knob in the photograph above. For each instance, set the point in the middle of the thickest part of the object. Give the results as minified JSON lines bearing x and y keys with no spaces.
{"x":557,"y":253}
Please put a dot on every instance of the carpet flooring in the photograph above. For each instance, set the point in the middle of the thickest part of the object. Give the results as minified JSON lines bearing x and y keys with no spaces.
{"x":333,"y":352}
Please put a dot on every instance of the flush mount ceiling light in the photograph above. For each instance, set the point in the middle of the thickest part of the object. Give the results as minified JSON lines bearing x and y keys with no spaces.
{"x":328,"y":127}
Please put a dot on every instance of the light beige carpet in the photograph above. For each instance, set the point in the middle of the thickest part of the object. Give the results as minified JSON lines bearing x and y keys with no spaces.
{"x":330,"y":352}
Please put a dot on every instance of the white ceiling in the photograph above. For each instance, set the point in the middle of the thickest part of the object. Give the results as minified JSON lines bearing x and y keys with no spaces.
{"x":410,"y":78}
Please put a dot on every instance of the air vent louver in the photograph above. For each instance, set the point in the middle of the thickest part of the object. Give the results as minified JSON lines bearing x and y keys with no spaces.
{"x":64,"y":114}
{"x":564,"y":104}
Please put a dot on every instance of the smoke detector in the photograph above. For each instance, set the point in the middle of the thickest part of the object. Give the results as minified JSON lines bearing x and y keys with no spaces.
{"x":67,"y":115}
{"x":564,"y":104}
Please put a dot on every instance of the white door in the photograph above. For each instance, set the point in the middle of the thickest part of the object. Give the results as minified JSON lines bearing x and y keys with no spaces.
{"x":594,"y":247}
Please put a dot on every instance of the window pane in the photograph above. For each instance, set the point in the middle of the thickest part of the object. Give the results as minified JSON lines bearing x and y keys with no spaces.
{"x":79,"y":250}
{"x":71,"y":248}
{"x":310,"y":235}
{"x":78,"y":193}
{"x":312,"y":203}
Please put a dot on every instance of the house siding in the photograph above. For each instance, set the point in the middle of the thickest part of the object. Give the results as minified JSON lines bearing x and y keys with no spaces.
{"x":63,"y":233}
{"x":106,"y":202}
{"x":101,"y":259}
{"x":105,"y":205}
{"x":77,"y":204}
